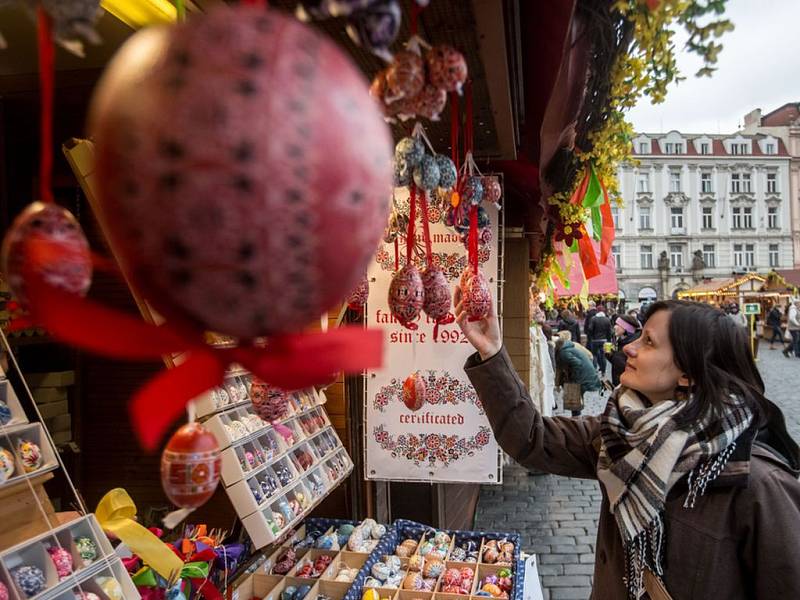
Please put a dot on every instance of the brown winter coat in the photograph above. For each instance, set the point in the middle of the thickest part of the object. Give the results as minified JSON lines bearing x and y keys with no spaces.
{"x":742,"y":538}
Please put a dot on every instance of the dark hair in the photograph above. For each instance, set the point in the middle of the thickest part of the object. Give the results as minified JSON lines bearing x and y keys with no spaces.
{"x":714,"y":354}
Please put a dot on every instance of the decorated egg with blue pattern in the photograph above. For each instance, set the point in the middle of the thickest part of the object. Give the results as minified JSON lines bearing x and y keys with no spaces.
{"x":410,"y":150}
{"x":473,"y":190}
{"x":426,"y":174}
{"x":447,"y":172}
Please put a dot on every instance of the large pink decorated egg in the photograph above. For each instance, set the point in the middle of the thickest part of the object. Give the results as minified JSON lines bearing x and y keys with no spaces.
{"x":437,"y":293}
{"x":414,"y":390}
{"x":270,"y":403}
{"x":447,"y":68}
{"x":430,"y":102}
{"x":243,"y":170}
{"x":492,"y":191}
{"x":47,"y":239}
{"x":476,"y":297}
{"x":190,"y":466}
{"x":406,"y":295}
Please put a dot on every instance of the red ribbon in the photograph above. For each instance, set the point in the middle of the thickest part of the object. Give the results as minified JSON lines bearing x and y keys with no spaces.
{"x":469,"y":138}
{"x":473,"y":238}
{"x":414,"y":24}
{"x":454,"y":102}
{"x":426,"y":230}
{"x":290,"y":361}
{"x":412,"y":216}
{"x":46,"y":76}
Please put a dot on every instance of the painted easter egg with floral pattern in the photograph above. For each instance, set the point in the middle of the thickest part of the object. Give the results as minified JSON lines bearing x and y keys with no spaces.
{"x":220,"y":194}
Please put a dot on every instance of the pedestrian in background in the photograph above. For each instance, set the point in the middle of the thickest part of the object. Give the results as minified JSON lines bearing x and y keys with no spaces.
{"x":590,"y":313}
{"x":774,"y":323}
{"x":793,"y":325}
{"x":574,"y":365}
{"x":599,"y":332}
{"x":737,"y":317}
{"x":626,"y":330}
{"x":699,"y":474}
{"x":568,"y":322}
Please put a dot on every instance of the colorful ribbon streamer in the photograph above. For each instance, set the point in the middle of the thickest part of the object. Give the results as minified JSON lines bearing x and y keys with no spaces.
{"x":115,"y":513}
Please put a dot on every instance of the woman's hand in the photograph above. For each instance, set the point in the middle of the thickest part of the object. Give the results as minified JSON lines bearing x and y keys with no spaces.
{"x":484,"y":335}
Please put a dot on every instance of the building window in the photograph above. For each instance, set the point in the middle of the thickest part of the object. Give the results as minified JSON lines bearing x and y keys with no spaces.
{"x":676,"y":219}
{"x":746,"y":183}
{"x":646,"y":257}
{"x":737,"y":217}
{"x":736,"y":183}
{"x":617,"y":253}
{"x":772,"y":217}
{"x":669,"y":148}
{"x":705,"y":182}
{"x":705,"y":148}
{"x":616,"y":217}
{"x":643,"y":183}
{"x":708,"y":217}
{"x":644,"y":217}
{"x":674,"y":181}
{"x":747,"y":217}
{"x":749,"y":255}
{"x":769,"y":148}
{"x":709,"y":255}
{"x":773,"y":255}
{"x":772,"y":183}
{"x":676,"y":256}
{"x":643,"y":148}
{"x":738,"y":148}
{"x":738,"y":255}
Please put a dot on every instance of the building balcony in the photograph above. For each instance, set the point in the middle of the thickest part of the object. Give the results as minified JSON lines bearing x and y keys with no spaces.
{"x":677,"y":231}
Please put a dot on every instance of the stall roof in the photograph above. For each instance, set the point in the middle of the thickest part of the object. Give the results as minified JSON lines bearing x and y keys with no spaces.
{"x":723,"y":285}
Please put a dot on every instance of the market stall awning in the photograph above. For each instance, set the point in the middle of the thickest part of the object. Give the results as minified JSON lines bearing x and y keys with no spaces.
{"x":605,"y":283}
{"x":724,"y":286}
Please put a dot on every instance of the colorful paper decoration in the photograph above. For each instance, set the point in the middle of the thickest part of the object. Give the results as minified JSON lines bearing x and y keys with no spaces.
{"x":243,"y":186}
{"x":190,"y":466}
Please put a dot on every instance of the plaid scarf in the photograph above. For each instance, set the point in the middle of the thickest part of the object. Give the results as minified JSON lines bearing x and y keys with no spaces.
{"x":644,"y":453}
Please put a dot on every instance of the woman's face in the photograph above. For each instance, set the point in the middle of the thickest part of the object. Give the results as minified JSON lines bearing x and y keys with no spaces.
{"x":651,"y":368}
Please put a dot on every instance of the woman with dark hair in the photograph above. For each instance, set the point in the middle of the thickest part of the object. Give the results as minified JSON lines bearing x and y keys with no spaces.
{"x":697,"y":470}
{"x":626,"y":330}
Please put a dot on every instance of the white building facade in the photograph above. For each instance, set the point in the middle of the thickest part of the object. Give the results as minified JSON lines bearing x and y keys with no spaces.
{"x":722,"y":199}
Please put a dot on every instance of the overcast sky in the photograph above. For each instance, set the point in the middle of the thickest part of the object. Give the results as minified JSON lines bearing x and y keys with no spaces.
{"x":759,"y":67}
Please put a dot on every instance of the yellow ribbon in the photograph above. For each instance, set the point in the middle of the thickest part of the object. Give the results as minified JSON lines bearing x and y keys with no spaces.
{"x":116,"y":512}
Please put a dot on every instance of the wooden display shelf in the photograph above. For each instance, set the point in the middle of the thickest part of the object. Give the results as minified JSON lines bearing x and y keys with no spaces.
{"x":20,"y":512}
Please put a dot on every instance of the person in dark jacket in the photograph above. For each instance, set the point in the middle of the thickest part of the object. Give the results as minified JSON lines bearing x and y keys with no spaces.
{"x":698,"y":473}
{"x":573,"y":365}
{"x":774,"y":319}
{"x":568,"y":322}
{"x":590,"y":313}
{"x":599,"y":332}
{"x":626,"y":330}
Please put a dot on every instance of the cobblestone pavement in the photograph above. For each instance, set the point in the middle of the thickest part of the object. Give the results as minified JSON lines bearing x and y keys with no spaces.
{"x":557,"y":516}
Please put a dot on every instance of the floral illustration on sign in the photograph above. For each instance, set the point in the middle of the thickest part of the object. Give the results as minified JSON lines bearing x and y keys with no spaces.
{"x":453,"y":264}
{"x":431,"y":448}
{"x":439,"y":390}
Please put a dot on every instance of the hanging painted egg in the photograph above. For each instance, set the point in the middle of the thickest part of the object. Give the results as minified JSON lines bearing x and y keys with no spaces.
{"x":473,"y":190}
{"x":476,"y":298}
{"x":270,"y":403}
{"x":430,"y":102}
{"x":29,"y":579}
{"x":406,"y":296}
{"x":402,"y":174}
{"x":376,"y":27}
{"x":7,"y":465}
{"x":447,"y":68}
{"x":405,"y":77}
{"x":437,"y":293}
{"x":3,"y":591}
{"x":49,"y":240}
{"x":188,"y":127}
{"x":492,"y":191}
{"x":377,"y":88}
{"x":359,"y":296}
{"x":426,"y":173}
{"x":410,"y":150}
{"x":447,"y":172}
{"x":414,"y":391}
{"x":30,"y":455}
{"x":74,"y":19}
{"x":190,"y":466}
{"x":62,"y":560}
